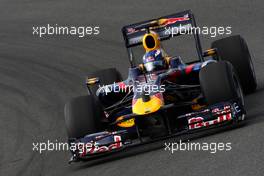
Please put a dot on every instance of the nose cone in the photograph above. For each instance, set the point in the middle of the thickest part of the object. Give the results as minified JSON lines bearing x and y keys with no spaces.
{"x":145,"y":97}
{"x":147,"y":104}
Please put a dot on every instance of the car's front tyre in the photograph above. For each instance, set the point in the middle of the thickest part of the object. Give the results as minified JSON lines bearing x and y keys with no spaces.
{"x":219,"y":83}
{"x":234,"y":49}
{"x":82,"y":116}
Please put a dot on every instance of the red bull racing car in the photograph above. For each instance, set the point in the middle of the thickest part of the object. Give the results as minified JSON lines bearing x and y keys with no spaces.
{"x":153,"y":104}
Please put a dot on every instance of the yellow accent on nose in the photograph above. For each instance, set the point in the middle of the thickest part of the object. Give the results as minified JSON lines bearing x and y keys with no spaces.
{"x":127,"y":123}
{"x":141,"y":108}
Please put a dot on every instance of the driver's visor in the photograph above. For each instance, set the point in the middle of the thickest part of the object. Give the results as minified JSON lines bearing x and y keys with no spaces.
{"x":151,"y":66}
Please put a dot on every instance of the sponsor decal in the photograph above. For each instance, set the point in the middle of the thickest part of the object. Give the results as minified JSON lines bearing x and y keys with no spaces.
{"x":92,"y":148}
{"x":173,"y":20}
{"x":162,"y":23}
{"x":198,"y":122}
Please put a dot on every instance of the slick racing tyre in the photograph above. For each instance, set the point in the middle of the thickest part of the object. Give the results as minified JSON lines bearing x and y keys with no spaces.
{"x":106,"y":76}
{"x":82,"y":116}
{"x":235,"y":50}
{"x":220,"y":83}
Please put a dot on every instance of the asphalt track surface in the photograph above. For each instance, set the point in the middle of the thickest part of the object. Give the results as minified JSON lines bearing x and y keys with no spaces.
{"x":38,"y":75}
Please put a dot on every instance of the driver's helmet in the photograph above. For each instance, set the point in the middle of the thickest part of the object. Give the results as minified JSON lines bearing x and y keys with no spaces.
{"x":154,"y":60}
{"x":154,"y":57}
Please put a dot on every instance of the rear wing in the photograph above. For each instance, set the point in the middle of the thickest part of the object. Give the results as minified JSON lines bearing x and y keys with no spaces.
{"x":166,"y":26}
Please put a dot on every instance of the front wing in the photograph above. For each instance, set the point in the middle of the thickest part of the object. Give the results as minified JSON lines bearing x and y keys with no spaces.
{"x":106,"y":142}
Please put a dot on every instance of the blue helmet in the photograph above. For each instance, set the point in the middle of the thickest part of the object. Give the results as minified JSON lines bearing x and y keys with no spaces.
{"x":154,"y":60}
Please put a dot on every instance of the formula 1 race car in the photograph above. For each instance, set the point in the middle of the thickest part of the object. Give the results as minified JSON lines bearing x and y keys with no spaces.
{"x":153,"y":105}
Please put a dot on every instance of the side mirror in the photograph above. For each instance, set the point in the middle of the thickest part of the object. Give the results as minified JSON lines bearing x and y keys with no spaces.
{"x":211,"y":52}
{"x":92,"y":81}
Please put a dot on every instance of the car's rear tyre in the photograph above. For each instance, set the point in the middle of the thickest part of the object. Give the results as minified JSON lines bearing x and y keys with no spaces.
{"x":235,"y":50}
{"x":220,"y":83}
{"x":82,"y":116}
{"x":106,"y":76}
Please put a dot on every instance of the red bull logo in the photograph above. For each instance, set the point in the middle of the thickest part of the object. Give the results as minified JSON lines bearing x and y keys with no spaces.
{"x":173,"y":20}
{"x":92,"y":148}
